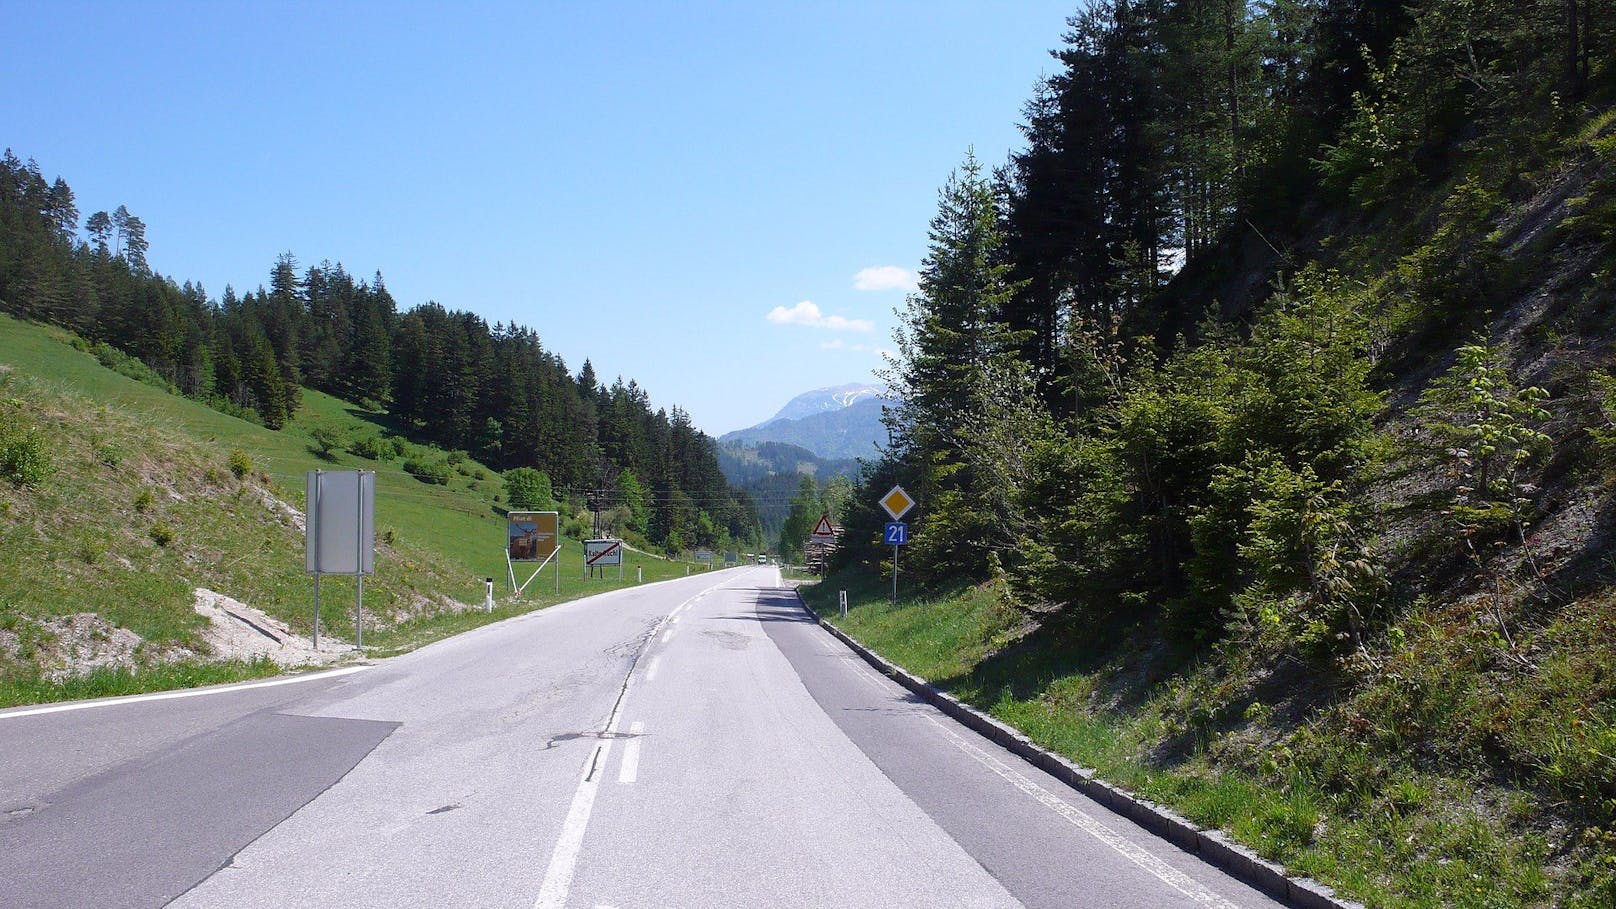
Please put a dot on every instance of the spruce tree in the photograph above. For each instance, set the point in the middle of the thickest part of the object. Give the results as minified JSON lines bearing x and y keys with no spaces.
{"x":953,"y":349}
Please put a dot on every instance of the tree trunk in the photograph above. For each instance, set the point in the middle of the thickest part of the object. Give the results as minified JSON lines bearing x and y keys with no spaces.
{"x":1576,"y":54}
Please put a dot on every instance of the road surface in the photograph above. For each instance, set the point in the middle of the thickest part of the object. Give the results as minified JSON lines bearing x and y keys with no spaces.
{"x":699,"y":742}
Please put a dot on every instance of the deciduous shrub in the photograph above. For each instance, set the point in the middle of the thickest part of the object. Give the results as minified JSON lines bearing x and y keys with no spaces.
{"x":25,"y":458}
{"x":529,"y":489}
{"x":373,"y":447}
{"x":428,"y":470}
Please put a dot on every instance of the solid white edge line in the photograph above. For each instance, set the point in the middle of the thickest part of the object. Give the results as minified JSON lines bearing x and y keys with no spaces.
{"x":1139,"y":855}
{"x":629,"y":771}
{"x":182,"y":693}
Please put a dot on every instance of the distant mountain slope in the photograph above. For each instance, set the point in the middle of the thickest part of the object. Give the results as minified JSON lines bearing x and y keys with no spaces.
{"x":744,"y":463}
{"x":825,"y":400}
{"x":770,"y":473}
{"x":851,"y":431}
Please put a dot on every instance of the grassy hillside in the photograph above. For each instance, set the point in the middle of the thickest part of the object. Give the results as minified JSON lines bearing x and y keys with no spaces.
{"x":142,"y":496}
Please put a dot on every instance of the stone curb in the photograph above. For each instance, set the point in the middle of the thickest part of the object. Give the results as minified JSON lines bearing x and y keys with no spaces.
{"x":1213,"y":846}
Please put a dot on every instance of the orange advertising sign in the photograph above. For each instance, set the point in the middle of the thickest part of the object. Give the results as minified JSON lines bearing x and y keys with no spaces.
{"x":532,"y":536}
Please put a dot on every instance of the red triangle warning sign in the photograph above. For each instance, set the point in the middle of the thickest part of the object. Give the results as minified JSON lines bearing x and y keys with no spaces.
{"x":823,"y":529}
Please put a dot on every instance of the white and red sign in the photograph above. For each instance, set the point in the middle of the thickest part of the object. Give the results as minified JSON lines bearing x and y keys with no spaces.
{"x":823,"y":530}
{"x":603,"y":552}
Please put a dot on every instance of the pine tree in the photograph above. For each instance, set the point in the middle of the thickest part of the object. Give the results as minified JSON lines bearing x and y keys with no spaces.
{"x":953,"y":350}
{"x":99,"y":227}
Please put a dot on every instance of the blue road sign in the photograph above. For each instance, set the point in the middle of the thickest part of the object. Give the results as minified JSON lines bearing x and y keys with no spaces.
{"x":897,"y":533}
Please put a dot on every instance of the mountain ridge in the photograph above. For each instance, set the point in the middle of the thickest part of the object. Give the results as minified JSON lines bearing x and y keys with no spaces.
{"x":838,"y":422}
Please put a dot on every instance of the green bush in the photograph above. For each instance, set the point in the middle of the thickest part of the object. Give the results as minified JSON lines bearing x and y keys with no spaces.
{"x":109,"y":454}
{"x":529,"y":489}
{"x":241,"y":463}
{"x":1480,"y":431}
{"x":326,"y":442}
{"x":24,"y":457}
{"x":162,"y":533}
{"x":428,"y":471}
{"x":372,"y":447}
{"x":123,"y":364}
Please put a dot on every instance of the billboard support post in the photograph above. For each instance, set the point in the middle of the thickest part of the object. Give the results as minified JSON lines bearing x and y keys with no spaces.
{"x":517,"y":589}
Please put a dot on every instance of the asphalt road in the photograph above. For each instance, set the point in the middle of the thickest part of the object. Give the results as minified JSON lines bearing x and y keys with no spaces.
{"x":699,"y":742}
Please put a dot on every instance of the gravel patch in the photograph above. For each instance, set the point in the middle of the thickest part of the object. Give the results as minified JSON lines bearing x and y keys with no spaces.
{"x":237,"y":631}
{"x":84,"y":642}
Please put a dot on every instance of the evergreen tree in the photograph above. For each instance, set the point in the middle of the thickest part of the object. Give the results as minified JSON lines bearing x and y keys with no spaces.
{"x":952,"y":346}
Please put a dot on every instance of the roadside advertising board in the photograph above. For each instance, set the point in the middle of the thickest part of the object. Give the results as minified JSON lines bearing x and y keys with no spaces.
{"x":530,"y":536}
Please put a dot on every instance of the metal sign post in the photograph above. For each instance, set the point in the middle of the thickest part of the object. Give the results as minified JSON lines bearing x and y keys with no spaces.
{"x":359,"y":576}
{"x":896,"y":503}
{"x":340,"y":535}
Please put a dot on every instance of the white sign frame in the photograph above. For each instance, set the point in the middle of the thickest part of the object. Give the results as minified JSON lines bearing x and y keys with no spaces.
{"x":601,"y":553}
{"x":896,"y":515}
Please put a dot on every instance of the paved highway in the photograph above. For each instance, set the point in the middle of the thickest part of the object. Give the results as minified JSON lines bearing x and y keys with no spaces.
{"x":699,"y":742}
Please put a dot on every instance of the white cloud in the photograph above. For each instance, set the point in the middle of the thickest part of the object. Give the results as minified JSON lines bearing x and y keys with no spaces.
{"x":883,"y":277}
{"x":807,"y":313}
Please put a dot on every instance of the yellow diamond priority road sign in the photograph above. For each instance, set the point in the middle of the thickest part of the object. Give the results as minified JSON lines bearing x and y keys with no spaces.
{"x":897,"y":503}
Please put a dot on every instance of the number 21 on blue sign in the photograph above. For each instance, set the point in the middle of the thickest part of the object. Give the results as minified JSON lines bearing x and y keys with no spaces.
{"x":897,"y":533}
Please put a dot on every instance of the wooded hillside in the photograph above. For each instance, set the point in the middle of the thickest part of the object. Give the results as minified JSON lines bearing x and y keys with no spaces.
{"x":1271,"y":385}
{"x":445,"y":377}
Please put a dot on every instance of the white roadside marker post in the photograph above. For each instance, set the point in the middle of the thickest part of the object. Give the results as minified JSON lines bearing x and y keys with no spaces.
{"x":842,"y":596}
{"x":488,"y":595}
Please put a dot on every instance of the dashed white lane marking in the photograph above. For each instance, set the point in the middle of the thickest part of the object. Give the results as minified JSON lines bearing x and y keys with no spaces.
{"x":564,"y":859}
{"x":630,"y":769}
{"x":186,"y":693}
{"x":674,"y":620}
{"x":667,"y":636}
{"x":650,"y":671}
{"x":1162,"y":871}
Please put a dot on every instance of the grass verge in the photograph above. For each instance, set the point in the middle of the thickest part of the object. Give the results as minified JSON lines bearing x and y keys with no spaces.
{"x":1384,"y":825}
{"x":117,"y":681}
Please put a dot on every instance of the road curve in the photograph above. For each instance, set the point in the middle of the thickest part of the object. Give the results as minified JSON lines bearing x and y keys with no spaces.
{"x":699,"y":742}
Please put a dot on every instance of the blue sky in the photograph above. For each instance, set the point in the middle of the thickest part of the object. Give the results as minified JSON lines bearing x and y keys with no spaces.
{"x":684,"y":193}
